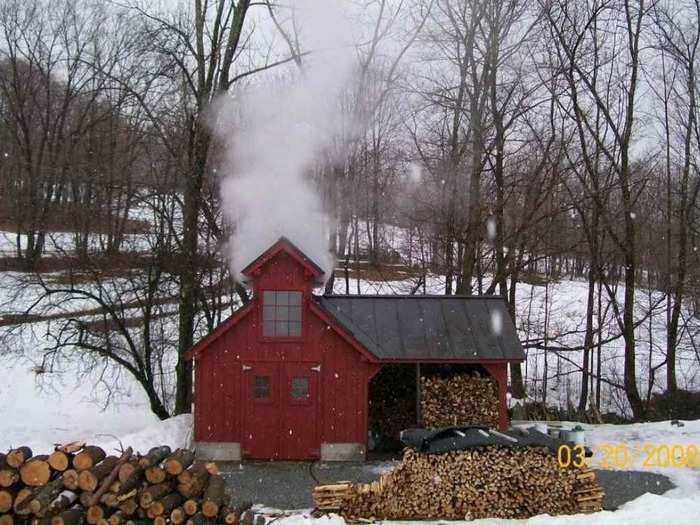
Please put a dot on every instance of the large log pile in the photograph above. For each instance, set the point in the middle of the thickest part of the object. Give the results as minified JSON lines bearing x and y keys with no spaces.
{"x":499,"y":482}
{"x":78,"y":484}
{"x":460,"y":400}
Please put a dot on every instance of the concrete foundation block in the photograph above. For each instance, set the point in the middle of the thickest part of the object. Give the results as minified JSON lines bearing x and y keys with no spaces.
{"x":343,"y":452}
{"x":213,"y":451}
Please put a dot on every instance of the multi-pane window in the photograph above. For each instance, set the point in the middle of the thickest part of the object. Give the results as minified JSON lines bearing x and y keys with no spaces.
{"x":300,"y":388}
{"x":281,"y":314}
{"x":262,"y":387}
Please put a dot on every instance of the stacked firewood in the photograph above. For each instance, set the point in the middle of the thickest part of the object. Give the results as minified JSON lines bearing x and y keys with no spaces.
{"x":496,"y":482}
{"x":78,"y":484}
{"x":460,"y":400}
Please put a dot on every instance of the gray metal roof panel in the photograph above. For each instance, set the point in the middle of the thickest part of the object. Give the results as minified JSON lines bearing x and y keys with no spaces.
{"x":420,"y":327}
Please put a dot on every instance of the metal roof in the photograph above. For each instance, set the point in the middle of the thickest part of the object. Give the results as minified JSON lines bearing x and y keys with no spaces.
{"x":428,"y":327}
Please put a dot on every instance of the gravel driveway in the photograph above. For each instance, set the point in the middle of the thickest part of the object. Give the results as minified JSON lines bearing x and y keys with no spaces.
{"x":288,"y":485}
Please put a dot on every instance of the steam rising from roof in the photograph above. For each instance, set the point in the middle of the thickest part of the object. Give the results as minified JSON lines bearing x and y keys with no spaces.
{"x":275,"y":135}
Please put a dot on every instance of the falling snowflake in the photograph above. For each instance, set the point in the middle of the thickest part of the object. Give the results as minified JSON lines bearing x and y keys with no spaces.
{"x":496,"y":322}
{"x":491,"y":228}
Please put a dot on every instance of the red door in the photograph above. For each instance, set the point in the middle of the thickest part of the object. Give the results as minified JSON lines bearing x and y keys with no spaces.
{"x":281,"y":403}
{"x":261,"y":402}
{"x":299,"y":404}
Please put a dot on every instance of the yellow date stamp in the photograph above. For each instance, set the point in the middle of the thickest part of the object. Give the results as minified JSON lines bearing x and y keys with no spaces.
{"x":621,"y":456}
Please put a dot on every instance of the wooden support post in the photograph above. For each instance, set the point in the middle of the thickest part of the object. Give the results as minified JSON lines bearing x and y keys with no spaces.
{"x":419,"y":415}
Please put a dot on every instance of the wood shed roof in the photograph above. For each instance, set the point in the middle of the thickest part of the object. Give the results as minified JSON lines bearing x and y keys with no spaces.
{"x":428,"y":327}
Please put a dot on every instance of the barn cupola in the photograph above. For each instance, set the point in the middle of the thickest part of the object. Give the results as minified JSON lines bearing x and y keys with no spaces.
{"x":282,"y":279}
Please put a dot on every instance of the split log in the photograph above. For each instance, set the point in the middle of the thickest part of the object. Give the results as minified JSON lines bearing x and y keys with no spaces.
{"x":178,"y":516}
{"x":193,"y":481}
{"x":8,"y":476}
{"x":155,"y":475}
{"x":165,"y":504}
{"x":85,"y":498}
{"x":17,"y":456}
{"x":89,"y":479}
{"x":178,"y":461}
{"x":22,"y":499}
{"x":127,"y":469}
{"x":155,"y":456}
{"x":134,"y":481}
{"x":213,"y":496}
{"x":35,"y":471}
{"x":154,"y":492}
{"x":159,"y":520}
{"x":94,"y":514}
{"x":68,"y":517}
{"x":7,"y":498}
{"x":60,"y":460}
{"x":88,"y":458}
{"x":191,"y":507}
{"x":110,"y":499}
{"x":129,"y":507}
{"x":7,"y":519}
{"x":70,"y":479}
{"x":116,"y":518}
{"x":232,"y":515}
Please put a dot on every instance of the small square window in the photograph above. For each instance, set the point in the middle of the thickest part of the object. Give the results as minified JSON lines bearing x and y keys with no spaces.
{"x":300,"y":388}
{"x":262,"y":387}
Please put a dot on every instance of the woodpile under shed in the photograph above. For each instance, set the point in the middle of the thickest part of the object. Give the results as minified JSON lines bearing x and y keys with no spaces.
{"x":79,"y":483}
{"x":498,"y":482}
{"x":463,"y":399}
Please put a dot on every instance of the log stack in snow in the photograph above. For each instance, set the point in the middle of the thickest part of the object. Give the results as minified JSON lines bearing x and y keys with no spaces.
{"x":497,"y":482}
{"x":78,"y":484}
{"x":460,"y":400}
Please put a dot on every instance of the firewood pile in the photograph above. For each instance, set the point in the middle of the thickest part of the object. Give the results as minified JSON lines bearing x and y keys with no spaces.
{"x":78,"y":484}
{"x":498,"y":482}
{"x":460,"y":400}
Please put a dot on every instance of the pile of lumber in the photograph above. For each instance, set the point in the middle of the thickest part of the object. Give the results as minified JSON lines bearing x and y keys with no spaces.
{"x":497,"y":482}
{"x":459,"y":400}
{"x":78,"y":484}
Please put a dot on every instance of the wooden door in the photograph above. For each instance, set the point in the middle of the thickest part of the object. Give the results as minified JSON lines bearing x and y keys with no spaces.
{"x":261,"y":398}
{"x":299,"y":403}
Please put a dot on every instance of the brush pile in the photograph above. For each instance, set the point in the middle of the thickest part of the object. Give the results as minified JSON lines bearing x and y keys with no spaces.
{"x":78,"y":484}
{"x":497,"y":482}
{"x":460,"y":400}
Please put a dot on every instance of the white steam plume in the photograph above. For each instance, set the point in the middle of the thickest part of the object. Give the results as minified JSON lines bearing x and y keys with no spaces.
{"x":274,"y":136}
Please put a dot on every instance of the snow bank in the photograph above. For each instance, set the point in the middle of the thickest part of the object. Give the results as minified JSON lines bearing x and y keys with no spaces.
{"x":175,"y":432}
